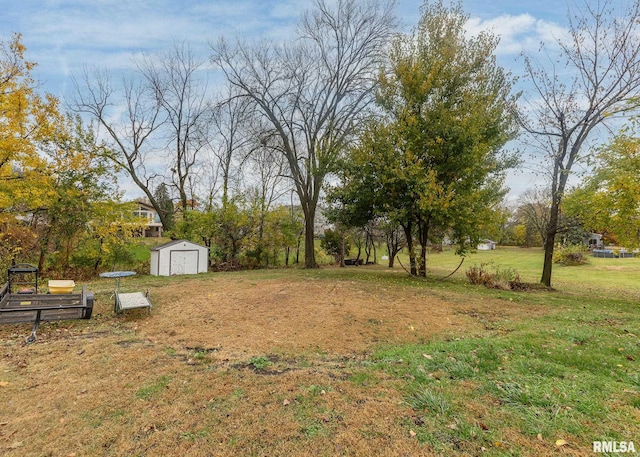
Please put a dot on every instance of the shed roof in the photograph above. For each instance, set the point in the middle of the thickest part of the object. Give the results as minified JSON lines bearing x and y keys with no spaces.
{"x":174,"y":242}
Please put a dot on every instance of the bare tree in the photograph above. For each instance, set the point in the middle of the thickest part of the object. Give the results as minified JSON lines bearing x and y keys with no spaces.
{"x":177,"y":80}
{"x":266,"y":169}
{"x":231,"y":139}
{"x":162,"y":111}
{"x":533,"y":209}
{"x":131,"y":116}
{"x":599,"y":82}
{"x":313,"y":92}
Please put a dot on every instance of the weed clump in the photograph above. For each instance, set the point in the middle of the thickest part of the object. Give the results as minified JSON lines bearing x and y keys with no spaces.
{"x":494,"y":277}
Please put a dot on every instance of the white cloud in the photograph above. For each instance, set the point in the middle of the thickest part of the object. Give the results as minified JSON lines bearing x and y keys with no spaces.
{"x":518,"y":33}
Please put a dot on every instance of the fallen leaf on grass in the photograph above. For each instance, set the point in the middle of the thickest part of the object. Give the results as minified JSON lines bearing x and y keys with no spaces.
{"x":427,"y":356}
{"x":539,"y":436}
{"x":285,"y":402}
{"x":4,"y":383}
{"x":560,"y":443}
{"x":412,"y":434}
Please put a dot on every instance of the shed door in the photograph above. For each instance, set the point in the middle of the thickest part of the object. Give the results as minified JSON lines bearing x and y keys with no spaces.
{"x":183,"y":263}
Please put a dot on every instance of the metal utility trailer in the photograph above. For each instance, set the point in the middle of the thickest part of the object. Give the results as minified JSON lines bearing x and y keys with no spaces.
{"x":34,"y":307}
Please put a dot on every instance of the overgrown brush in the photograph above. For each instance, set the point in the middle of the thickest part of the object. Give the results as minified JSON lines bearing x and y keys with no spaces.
{"x":570,"y":255}
{"x":494,"y":277}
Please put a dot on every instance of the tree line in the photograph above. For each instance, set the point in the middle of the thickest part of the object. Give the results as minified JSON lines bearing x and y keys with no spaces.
{"x":405,"y":132}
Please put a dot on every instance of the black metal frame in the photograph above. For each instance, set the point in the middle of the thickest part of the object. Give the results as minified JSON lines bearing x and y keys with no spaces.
{"x":22,"y":269}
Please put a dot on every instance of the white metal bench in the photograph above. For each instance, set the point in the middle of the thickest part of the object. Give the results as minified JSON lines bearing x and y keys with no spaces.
{"x":131,"y":300}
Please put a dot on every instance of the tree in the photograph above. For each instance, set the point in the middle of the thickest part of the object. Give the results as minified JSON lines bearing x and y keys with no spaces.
{"x":165,"y":203}
{"x":266,"y":166}
{"x":178,"y":87}
{"x":130,"y":136}
{"x":394,"y":240}
{"x":165,"y":108}
{"x":80,"y":177}
{"x":280,"y":234}
{"x":432,"y":164}
{"x":599,"y":82}
{"x":232,"y":139}
{"x":25,"y":118}
{"x":608,"y":201}
{"x":313,"y":92}
{"x":336,"y":244}
{"x":233,"y":226}
{"x":533,"y":212}
{"x":104,"y":244}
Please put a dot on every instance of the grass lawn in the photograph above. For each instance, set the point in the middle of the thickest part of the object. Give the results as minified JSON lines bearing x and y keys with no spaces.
{"x":336,"y":361}
{"x":602,"y":277}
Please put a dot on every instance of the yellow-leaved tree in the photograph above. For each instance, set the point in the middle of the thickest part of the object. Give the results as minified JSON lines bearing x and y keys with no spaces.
{"x":608,"y":201}
{"x":56,"y":185}
{"x":25,"y":118}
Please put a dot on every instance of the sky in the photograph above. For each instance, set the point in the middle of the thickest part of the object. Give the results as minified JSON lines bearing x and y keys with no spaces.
{"x":65,"y":36}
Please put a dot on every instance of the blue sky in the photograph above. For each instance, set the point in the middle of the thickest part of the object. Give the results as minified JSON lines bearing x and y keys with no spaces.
{"x":63,"y":36}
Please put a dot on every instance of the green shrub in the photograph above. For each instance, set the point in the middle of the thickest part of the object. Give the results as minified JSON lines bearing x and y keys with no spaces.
{"x":332,"y":244}
{"x":571,"y":255}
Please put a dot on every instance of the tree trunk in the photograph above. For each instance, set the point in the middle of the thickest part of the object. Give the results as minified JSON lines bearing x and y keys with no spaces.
{"x":422,"y":262}
{"x":309,"y":243}
{"x":423,"y":229}
{"x":412,"y":257}
{"x":392,"y":251}
{"x":309,"y":206}
{"x":375,"y":251}
{"x":98,"y":261}
{"x":549,"y":243}
{"x":44,"y":248}
{"x":393,"y":247}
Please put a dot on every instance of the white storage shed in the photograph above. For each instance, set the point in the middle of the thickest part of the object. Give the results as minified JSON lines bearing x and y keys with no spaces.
{"x":486,"y":245}
{"x":179,"y":257}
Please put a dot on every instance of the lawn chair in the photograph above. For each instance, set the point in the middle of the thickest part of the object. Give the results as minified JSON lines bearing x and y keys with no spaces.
{"x":127,"y":300}
{"x":131,"y":300}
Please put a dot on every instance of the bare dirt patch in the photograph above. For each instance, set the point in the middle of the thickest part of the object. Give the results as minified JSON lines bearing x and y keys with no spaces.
{"x":227,"y":365}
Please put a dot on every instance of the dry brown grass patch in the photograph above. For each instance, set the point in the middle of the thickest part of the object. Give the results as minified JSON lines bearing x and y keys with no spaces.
{"x":180,"y":381}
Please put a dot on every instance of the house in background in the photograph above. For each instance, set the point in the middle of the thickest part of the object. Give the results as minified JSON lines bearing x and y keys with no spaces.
{"x":595,"y":241}
{"x":191,"y":205}
{"x":153,"y":226}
